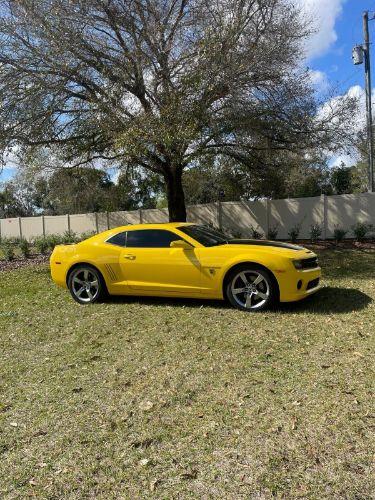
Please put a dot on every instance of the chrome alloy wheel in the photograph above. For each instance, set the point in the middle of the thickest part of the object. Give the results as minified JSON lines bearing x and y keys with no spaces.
{"x":85,"y":285}
{"x":250,"y":289}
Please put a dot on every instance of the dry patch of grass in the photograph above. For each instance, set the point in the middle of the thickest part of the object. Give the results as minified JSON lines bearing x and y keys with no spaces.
{"x":140,"y":398}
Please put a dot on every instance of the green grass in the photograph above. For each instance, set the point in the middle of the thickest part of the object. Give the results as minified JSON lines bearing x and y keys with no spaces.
{"x":143,"y":398}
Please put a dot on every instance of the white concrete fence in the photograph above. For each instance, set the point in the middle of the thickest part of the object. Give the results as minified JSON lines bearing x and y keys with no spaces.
{"x":329,"y":212}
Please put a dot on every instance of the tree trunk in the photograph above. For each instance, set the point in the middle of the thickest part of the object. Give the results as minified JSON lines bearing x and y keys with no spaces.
{"x":175,"y":195}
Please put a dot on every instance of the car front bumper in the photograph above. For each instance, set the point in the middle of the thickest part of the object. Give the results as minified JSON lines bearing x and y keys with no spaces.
{"x":298,"y":284}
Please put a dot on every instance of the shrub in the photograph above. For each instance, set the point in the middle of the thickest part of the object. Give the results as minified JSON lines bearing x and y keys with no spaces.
{"x":360,"y":230}
{"x":339,"y":234}
{"x":85,"y":236}
{"x":41,"y":245}
{"x":272,"y":232}
{"x":257,"y":235}
{"x":68,"y":237}
{"x":294,"y":232}
{"x":315,"y":232}
{"x":7,"y":247}
{"x":52,"y":240}
{"x":25,"y":247}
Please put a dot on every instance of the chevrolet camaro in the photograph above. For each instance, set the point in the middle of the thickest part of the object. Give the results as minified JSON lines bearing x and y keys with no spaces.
{"x":185,"y":260}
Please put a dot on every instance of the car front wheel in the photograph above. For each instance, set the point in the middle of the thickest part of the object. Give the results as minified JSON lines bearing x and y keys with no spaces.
{"x":251,"y":289}
{"x":86,"y":284}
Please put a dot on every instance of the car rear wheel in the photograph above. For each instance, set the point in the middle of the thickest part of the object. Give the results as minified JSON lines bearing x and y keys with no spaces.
{"x":251,"y":289}
{"x":86,"y":284}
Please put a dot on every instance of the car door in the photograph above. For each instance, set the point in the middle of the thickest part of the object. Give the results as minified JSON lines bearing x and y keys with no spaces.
{"x":148,"y":263}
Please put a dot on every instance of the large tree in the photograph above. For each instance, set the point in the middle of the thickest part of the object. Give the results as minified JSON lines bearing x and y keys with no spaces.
{"x":158,"y":83}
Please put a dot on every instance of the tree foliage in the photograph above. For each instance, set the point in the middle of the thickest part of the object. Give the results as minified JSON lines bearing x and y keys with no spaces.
{"x":160,"y":84}
{"x":78,"y":190}
{"x":16,"y":200}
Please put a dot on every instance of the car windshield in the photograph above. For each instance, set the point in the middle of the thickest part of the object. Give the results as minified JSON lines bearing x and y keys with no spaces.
{"x":206,"y":236}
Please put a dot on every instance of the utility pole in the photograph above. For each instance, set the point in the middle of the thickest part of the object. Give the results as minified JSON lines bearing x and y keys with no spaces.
{"x":370,"y":144}
{"x":362,"y":53}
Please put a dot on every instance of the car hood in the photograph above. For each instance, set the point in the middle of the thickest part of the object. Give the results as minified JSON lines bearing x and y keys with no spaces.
{"x":277,"y":247}
{"x":265,"y":243}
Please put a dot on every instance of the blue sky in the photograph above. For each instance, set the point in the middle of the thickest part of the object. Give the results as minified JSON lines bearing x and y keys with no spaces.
{"x":338,"y":25}
{"x":332,"y":44}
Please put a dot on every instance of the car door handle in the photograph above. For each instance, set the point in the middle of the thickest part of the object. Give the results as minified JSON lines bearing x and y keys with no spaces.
{"x":129,"y":256}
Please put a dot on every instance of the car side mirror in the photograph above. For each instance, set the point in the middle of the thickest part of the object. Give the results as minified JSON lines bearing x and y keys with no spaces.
{"x":181,"y":244}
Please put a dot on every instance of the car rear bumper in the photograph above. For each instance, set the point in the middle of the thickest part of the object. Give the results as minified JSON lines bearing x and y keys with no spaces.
{"x":58,"y":266}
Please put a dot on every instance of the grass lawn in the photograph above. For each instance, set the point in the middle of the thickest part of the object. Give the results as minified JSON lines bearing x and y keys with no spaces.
{"x":140,"y":398}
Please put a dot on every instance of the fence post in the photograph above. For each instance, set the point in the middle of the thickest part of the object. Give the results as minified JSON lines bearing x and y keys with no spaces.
{"x":268,"y":208}
{"x":20,"y":226}
{"x":140,"y":216}
{"x":325,"y":216}
{"x":68,"y":220}
{"x":107,"y":216}
{"x":43,"y":227}
{"x":220,"y":215}
{"x":96,"y":222}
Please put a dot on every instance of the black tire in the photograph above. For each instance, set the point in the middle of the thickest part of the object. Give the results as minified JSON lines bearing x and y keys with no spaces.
{"x":86,"y":284}
{"x":257,"y":293}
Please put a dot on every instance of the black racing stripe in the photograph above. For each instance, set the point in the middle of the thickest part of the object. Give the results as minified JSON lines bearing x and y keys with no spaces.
{"x":265,"y":243}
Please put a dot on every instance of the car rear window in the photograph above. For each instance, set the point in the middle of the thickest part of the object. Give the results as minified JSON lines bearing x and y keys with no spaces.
{"x":118,"y":239}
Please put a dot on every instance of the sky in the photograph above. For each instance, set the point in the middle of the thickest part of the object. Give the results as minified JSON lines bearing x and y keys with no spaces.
{"x":338,"y":26}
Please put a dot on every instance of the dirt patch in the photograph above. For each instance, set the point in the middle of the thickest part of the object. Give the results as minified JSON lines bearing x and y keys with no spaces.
{"x":17,"y":263}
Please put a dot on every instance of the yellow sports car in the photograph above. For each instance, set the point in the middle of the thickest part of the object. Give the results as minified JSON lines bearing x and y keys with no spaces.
{"x":185,"y":260}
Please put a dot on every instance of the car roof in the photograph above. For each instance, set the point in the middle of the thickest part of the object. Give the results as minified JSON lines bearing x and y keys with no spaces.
{"x":151,"y":225}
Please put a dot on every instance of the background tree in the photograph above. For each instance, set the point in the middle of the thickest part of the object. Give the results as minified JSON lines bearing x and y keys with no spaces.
{"x":341,"y":179}
{"x":137,"y":189}
{"x":159,"y":84}
{"x":74,"y":190}
{"x":15,"y":200}
{"x":78,"y":190}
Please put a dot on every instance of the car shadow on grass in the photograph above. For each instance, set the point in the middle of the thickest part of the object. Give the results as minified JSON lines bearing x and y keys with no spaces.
{"x":329,"y":300}
{"x":326,"y":301}
{"x":168,"y":301}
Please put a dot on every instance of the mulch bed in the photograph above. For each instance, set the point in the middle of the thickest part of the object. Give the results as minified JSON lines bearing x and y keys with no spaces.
{"x":19,"y":262}
{"x":346,"y":244}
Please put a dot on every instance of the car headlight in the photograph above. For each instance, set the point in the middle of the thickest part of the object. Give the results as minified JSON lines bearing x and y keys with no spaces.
{"x":297,"y":264}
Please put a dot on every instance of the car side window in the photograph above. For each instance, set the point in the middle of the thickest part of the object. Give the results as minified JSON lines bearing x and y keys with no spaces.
{"x":150,"y":238}
{"x":118,"y":239}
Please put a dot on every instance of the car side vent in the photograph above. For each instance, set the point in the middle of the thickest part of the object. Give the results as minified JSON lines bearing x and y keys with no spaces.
{"x":111,"y":272}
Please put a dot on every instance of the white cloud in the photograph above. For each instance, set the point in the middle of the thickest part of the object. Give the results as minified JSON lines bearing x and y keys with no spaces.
{"x":323,"y":15}
{"x":357,"y":123}
{"x":347,"y":160}
{"x":319,"y":79}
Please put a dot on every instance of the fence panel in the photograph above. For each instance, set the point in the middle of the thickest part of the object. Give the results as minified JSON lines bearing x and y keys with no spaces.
{"x":82,"y":223}
{"x":204,"y":214}
{"x":238,"y":217}
{"x":31,"y":227}
{"x":123,"y":218}
{"x":234,"y":217}
{"x":56,"y":224}
{"x":10,"y":228}
{"x":346,"y":210}
{"x":284,"y":214}
{"x":155,"y":215}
